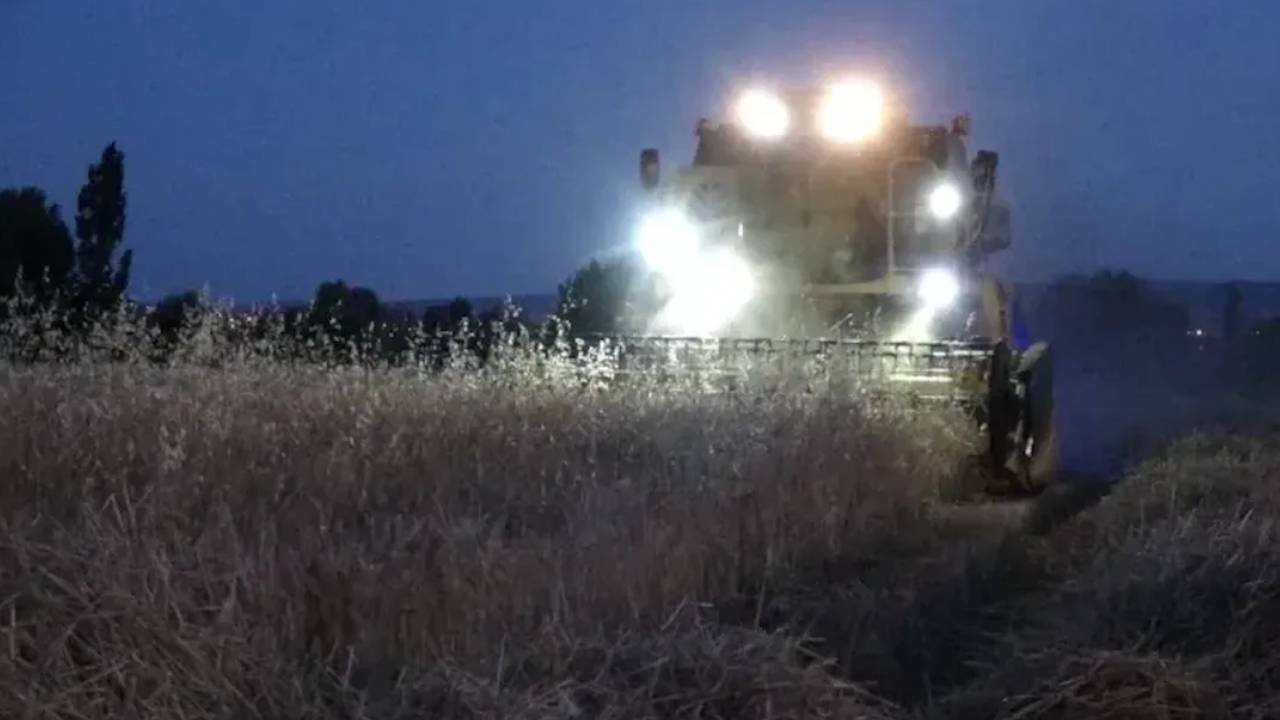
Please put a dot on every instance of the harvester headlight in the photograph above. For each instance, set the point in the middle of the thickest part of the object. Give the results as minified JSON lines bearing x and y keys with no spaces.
{"x":944,"y":201}
{"x":709,"y":293}
{"x":729,"y":279}
{"x":667,"y":240}
{"x":763,"y":115}
{"x":851,"y":112}
{"x":938,"y":288}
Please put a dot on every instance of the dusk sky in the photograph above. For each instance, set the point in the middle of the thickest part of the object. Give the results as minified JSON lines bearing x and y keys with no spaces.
{"x":431,"y":148}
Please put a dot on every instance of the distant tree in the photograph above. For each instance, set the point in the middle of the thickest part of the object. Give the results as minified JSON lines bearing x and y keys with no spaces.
{"x":100,"y":221}
{"x":503,"y":321}
{"x":34,"y":245}
{"x":174,"y":313}
{"x":293,"y":323}
{"x":599,"y":298}
{"x":1232,"y":314}
{"x":458,"y":312}
{"x":344,"y":312}
{"x":448,"y":318}
{"x":1110,"y":318}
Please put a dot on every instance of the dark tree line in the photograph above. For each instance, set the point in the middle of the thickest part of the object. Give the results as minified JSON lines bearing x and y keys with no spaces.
{"x":80,"y":279}
{"x":341,"y":324}
{"x":81,"y":275}
{"x":42,"y":264}
{"x":36,"y":250}
{"x":604,"y":298}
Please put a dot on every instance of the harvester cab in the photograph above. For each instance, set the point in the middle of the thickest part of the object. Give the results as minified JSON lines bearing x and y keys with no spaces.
{"x":825,"y":221}
{"x":854,"y":222}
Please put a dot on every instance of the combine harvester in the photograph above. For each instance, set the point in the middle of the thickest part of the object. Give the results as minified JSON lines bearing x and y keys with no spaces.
{"x":822,"y":223}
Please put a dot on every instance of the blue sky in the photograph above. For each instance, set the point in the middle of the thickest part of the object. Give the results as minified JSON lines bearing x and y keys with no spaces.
{"x":435,"y":148}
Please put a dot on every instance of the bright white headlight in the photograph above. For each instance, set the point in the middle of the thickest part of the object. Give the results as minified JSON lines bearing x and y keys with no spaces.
{"x":944,"y":201}
{"x":851,"y":112}
{"x":728,"y":278}
{"x":763,"y":115}
{"x":709,"y":294}
{"x":938,"y":288}
{"x":667,"y":240}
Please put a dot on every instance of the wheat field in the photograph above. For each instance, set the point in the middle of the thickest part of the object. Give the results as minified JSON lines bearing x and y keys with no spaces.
{"x":278,"y":540}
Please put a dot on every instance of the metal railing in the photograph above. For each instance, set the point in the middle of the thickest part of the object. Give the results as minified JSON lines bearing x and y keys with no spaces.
{"x":937,"y":370}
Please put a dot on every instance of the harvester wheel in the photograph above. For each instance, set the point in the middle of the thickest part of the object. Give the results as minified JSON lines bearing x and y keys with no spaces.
{"x":1023,"y":442}
{"x":1038,"y":434}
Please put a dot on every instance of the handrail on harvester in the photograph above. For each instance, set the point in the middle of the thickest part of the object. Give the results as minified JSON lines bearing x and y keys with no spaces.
{"x":941,"y":369}
{"x":975,"y":345}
